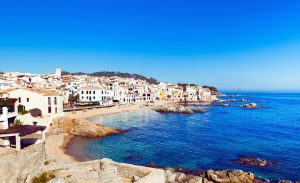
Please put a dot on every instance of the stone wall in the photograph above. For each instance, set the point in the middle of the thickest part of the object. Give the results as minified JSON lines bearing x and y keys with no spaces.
{"x":104,"y":171}
{"x":23,"y":165}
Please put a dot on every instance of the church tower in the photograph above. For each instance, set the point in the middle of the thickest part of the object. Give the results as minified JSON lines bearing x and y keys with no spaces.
{"x":58,"y":72}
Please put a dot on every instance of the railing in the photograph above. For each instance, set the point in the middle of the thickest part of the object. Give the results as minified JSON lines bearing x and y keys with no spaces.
{"x":9,"y":109}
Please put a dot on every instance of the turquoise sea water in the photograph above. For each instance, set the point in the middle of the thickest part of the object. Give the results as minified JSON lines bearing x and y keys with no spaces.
{"x":213,"y":140}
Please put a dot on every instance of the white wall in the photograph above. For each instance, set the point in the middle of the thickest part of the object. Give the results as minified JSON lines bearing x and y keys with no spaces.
{"x":33,"y":100}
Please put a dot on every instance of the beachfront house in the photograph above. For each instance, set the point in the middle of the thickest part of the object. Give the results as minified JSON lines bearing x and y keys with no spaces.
{"x":50,"y":102}
{"x":102,"y":96}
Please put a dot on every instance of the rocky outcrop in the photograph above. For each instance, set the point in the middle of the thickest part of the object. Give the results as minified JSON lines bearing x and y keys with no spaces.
{"x":230,"y":176}
{"x":255,"y":162}
{"x":210,"y":176}
{"x":80,"y":127}
{"x":181,"y":109}
{"x":250,"y":106}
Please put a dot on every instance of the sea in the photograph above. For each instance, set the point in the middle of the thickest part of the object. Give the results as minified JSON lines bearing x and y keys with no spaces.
{"x":214,"y":140}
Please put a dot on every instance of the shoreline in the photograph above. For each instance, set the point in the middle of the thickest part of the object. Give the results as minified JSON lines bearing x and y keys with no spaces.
{"x":86,"y":114}
{"x":56,"y":145}
{"x":72,"y":146}
{"x":65,"y":147}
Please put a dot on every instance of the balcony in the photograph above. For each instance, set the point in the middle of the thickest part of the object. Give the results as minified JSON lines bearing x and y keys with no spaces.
{"x":8,"y":112}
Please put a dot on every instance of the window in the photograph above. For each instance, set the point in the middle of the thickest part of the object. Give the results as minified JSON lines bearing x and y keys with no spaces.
{"x":55,"y":109}
{"x":82,"y":97}
{"x":55,"y":101}
{"x":82,"y":92}
{"x":20,"y":100}
{"x":94,"y":97}
{"x":27,"y":99}
{"x":94,"y":92}
{"x":90,"y":92}
{"x":87,"y":92}
{"x":87,"y":97}
{"x":49,"y":109}
{"x":49,"y":100}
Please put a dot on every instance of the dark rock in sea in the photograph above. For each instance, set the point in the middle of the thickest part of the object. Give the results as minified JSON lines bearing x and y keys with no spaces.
{"x":249,"y":106}
{"x":255,"y":162}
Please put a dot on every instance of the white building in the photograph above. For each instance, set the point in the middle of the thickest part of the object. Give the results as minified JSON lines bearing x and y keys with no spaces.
{"x":58,"y":72}
{"x":7,"y":116}
{"x":48,"y":101}
{"x":92,"y":94}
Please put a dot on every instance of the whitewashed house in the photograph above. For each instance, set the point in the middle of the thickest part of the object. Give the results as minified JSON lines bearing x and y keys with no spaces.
{"x":93,"y":94}
{"x":48,"y":101}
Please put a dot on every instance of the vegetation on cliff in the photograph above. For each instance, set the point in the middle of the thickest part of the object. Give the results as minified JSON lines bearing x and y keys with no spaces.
{"x":150,"y":80}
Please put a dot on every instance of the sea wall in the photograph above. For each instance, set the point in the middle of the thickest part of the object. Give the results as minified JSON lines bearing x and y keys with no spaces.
{"x":22,"y":165}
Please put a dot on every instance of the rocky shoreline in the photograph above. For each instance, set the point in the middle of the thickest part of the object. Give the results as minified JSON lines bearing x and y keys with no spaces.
{"x":32,"y":165}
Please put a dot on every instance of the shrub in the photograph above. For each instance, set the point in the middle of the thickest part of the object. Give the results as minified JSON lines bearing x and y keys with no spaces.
{"x":43,"y":178}
{"x":21,"y":110}
{"x":35,"y":112}
{"x":18,"y":122}
{"x":46,"y":163}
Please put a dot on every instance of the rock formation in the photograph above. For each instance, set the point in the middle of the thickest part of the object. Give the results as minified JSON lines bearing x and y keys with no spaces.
{"x":255,"y":162}
{"x":80,"y":127}
{"x":181,"y":109}
{"x":250,"y":106}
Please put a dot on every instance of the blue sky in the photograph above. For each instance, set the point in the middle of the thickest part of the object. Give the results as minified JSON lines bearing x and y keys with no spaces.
{"x":233,"y":44}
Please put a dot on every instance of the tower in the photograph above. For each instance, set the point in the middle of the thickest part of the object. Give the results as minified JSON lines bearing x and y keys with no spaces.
{"x":58,"y":72}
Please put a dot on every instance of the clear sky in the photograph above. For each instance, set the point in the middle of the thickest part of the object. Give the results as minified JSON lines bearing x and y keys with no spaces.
{"x":232,"y":44}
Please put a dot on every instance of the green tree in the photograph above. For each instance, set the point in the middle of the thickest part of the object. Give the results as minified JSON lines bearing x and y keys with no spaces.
{"x":73,"y":99}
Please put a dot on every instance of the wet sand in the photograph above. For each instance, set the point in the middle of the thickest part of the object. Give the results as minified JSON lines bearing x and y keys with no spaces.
{"x":74,"y":148}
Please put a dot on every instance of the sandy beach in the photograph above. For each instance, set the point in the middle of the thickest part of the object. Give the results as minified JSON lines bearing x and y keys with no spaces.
{"x":64,"y":147}
{"x":116,"y":109}
{"x":55,"y":147}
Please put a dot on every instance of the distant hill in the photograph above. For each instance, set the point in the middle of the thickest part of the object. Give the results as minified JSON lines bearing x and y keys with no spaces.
{"x":150,"y":80}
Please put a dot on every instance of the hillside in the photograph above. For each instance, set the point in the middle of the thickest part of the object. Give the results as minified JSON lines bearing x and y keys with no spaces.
{"x":119,"y":74}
